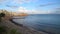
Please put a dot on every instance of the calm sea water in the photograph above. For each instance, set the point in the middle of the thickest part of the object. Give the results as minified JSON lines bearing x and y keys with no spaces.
{"x":49,"y":23}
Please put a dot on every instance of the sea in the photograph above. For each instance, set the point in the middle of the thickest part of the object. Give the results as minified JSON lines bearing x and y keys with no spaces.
{"x":48,"y":23}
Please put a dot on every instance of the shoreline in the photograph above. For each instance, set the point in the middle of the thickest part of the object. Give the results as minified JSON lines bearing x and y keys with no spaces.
{"x":10,"y":24}
{"x":32,"y":30}
{"x":16,"y":23}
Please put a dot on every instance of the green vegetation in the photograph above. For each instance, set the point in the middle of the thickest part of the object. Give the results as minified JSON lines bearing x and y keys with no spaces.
{"x":2,"y":30}
{"x":0,"y":19}
{"x":1,"y":15}
{"x":14,"y":31}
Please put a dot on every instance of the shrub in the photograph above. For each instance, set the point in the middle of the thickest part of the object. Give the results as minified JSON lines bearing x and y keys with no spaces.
{"x":2,"y":14}
{"x":14,"y":31}
{"x":0,"y":18}
{"x":2,"y":30}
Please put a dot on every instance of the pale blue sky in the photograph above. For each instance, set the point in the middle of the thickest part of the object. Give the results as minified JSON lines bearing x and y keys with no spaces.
{"x":36,"y":6}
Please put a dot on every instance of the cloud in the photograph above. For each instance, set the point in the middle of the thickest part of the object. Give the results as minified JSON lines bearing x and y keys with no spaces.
{"x":48,"y":4}
{"x":14,"y":2}
{"x":34,"y":11}
{"x":12,"y":6}
{"x":24,"y":10}
{"x":17,"y":1}
{"x":56,"y":10}
{"x":41,"y":12}
{"x":23,"y":1}
{"x":3,"y":1}
{"x":11,"y":1}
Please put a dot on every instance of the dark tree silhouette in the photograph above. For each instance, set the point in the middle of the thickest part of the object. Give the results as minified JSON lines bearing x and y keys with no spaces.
{"x":2,"y":14}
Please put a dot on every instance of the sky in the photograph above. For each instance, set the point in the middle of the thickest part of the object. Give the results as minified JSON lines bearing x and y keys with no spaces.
{"x":32,"y":6}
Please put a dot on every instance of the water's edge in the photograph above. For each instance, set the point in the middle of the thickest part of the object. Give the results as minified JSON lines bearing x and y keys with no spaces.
{"x":16,"y":23}
{"x":28,"y":27}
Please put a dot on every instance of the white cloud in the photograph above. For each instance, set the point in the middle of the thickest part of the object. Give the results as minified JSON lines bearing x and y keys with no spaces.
{"x":3,"y":1}
{"x":48,"y":4}
{"x":17,"y":1}
{"x":33,"y":11}
{"x":23,"y":1}
{"x":56,"y":10}
{"x":41,"y":12}
{"x":12,"y":6}
{"x":24,"y":10}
